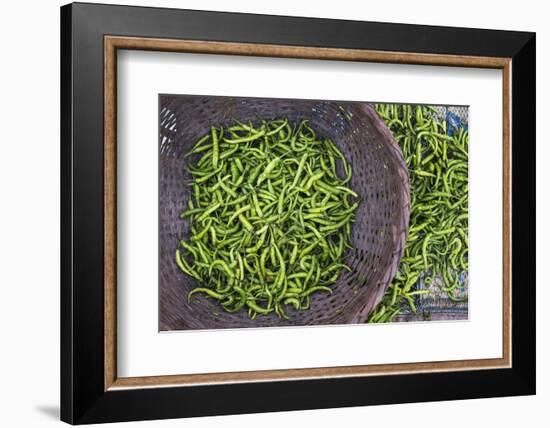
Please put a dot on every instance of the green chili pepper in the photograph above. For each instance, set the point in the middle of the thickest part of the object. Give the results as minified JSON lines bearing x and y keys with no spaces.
{"x":294,"y":216}
{"x":438,"y":240}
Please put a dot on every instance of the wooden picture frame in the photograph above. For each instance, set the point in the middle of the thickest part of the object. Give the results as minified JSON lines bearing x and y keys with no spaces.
{"x":91,"y":390}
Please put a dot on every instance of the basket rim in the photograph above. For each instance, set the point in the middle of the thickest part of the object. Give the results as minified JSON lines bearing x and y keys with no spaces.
{"x":401,"y":231}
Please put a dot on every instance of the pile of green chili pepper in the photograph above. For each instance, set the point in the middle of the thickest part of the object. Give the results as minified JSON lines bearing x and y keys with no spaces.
{"x":270,"y":215}
{"x":437,"y":242}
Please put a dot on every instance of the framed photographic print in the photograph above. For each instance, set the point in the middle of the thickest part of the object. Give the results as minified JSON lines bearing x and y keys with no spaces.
{"x":273,"y":213}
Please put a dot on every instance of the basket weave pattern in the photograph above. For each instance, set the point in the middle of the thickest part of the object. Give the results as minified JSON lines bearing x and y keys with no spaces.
{"x":378,"y":236}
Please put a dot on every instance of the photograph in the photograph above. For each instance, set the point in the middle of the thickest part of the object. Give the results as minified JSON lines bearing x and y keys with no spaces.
{"x":291,"y":212}
{"x":268,"y":212}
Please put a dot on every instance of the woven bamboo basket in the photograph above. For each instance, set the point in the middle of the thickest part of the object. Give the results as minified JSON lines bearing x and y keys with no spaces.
{"x":378,"y":235}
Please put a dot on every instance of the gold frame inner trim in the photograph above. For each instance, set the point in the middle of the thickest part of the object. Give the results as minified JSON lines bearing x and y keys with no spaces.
{"x":113,"y":43}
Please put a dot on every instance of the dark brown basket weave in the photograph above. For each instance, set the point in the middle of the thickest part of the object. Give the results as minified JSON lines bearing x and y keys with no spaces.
{"x":378,"y":235}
